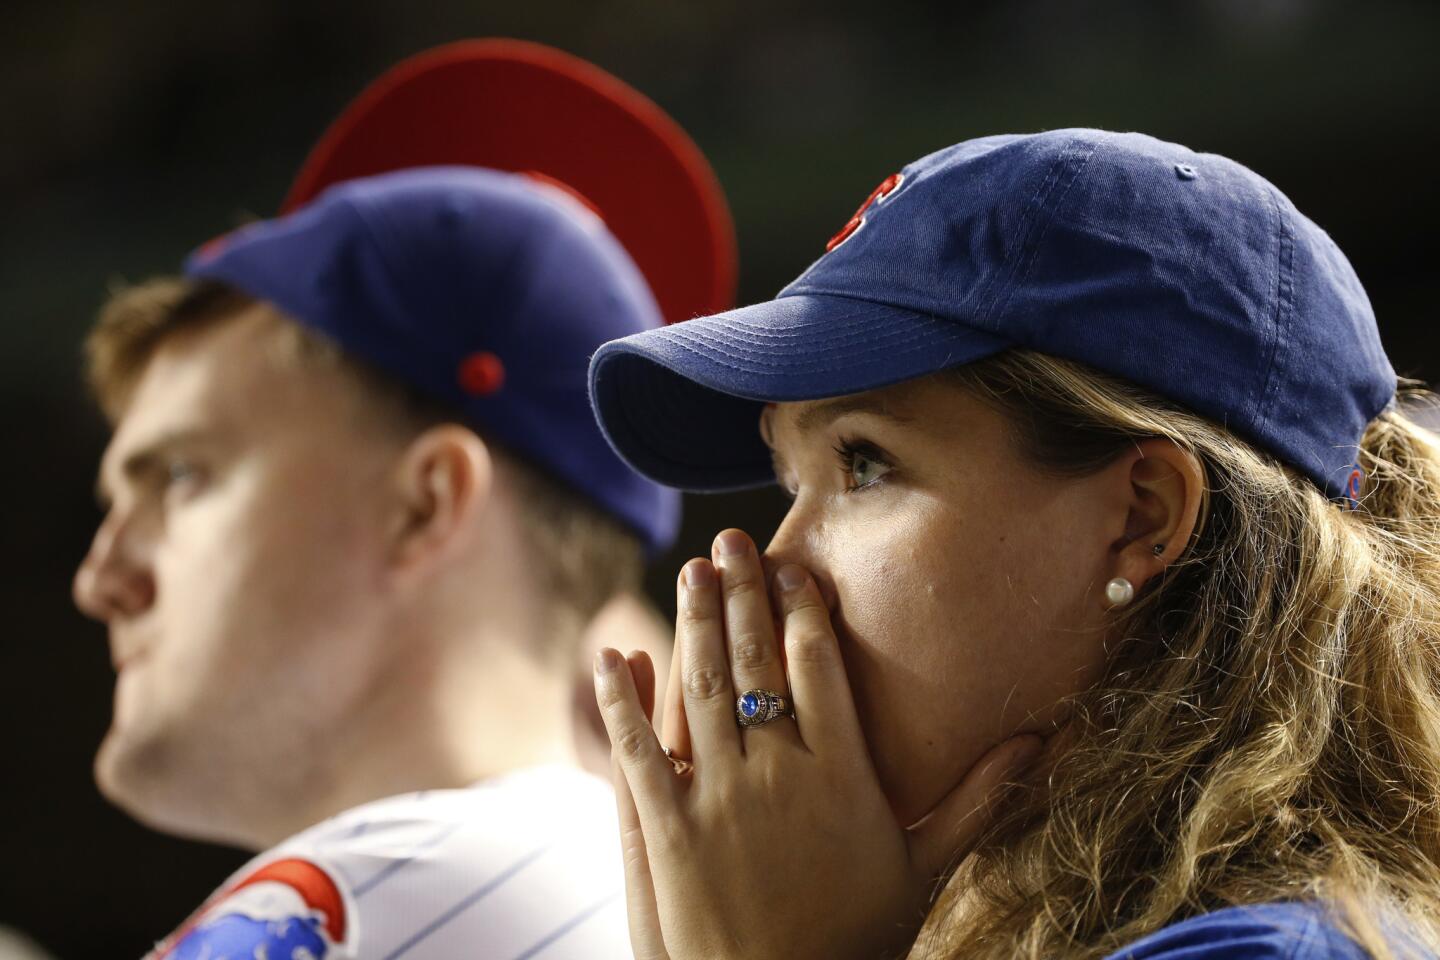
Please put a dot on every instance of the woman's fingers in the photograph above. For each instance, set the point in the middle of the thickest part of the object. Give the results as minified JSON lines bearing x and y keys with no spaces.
{"x":824,"y":705}
{"x":646,"y":940}
{"x":950,"y":830}
{"x":755,"y":661}
{"x":642,"y":674}
{"x":632,"y":739}
{"x":704,"y":668}
{"x":674,"y":728}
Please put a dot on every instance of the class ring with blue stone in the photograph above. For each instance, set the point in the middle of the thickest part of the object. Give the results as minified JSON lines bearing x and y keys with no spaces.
{"x":755,"y":707}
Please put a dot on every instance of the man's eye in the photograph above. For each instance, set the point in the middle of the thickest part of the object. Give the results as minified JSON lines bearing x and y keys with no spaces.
{"x":181,"y":473}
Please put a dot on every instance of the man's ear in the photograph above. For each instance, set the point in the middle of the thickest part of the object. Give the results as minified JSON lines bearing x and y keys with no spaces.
{"x":443,"y":482}
{"x":1164,"y":487}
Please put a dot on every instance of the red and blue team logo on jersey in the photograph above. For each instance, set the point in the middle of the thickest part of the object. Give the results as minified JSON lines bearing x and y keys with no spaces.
{"x":285,"y":910}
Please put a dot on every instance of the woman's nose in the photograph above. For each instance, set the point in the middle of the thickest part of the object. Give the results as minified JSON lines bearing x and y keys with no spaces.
{"x":802,"y":544}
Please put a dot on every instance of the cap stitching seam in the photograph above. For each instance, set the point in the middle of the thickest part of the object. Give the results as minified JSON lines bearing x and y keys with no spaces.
{"x":855,"y":326}
{"x":859,"y":334}
{"x":366,"y":346}
{"x":737,"y":352}
{"x":1032,"y":206}
{"x":1284,"y":265}
{"x":1035,"y":206}
{"x":758,"y":365}
{"x":817,"y":290}
{"x":396,"y":274}
{"x":1033,"y":255}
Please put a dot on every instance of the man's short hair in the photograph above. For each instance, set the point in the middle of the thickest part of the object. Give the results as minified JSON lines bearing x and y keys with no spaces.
{"x":584,"y":557}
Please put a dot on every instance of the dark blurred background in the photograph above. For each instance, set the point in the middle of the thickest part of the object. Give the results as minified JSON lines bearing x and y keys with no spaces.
{"x":133,"y":130}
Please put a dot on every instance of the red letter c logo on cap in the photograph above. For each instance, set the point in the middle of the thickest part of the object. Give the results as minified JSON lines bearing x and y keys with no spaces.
{"x":887,"y":187}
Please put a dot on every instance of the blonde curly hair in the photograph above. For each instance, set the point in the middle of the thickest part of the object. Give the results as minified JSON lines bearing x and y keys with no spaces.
{"x":1269,"y":726}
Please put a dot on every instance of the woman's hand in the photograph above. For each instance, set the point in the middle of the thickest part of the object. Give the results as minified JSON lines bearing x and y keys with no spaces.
{"x":780,"y":843}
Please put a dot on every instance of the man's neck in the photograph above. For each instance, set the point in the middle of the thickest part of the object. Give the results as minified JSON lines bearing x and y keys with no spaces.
{"x":479,"y":708}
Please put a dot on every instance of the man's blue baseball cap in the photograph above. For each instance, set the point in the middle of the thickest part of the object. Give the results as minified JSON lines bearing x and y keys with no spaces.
{"x":484,"y":290}
{"x":548,"y":207}
{"x":1182,"y":272}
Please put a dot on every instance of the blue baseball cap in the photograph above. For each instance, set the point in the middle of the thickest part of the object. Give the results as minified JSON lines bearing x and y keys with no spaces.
{"x":484,"y":290}
{"x":1182,"y":272}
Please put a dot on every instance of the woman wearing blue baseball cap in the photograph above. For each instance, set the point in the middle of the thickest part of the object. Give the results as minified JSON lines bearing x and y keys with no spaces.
{"x":1105,"y":620}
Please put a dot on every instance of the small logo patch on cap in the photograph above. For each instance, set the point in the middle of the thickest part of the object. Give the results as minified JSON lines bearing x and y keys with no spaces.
{"x":887,"y":187}
{"x":482,"y":374}
{"x":1352,"y":488}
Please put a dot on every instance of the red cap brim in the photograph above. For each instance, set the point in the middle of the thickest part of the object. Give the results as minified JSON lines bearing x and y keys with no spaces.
{"x":523,"y":107}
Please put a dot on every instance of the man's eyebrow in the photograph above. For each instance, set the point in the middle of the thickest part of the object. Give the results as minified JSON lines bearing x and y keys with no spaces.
{"x":144,"y":460}
{"x":827,"y":412}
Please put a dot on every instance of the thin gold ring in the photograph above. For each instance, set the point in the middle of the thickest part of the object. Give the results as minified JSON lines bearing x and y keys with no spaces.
{"x":682,"y":767}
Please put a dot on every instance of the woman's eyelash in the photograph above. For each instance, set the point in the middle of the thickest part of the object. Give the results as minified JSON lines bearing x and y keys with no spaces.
{"x":848,"y":451}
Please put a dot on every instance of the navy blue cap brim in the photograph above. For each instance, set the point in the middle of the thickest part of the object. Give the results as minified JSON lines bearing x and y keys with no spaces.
{"x":681,"y":404}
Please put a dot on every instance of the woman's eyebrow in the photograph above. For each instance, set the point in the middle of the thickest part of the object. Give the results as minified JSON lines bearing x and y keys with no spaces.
{"x":827,"y":412}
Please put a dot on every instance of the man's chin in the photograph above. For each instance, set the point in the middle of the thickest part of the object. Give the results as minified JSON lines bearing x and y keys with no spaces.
{"x":154,"y":782}
{"x":135,"y":775}
{"x":125,"y":772}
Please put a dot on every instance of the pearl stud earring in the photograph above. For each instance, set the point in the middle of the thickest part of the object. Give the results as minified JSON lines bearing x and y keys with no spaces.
{"x":1119,"y":592}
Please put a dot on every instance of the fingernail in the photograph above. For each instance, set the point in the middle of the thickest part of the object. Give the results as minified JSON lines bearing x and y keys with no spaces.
{"x":607,"y":660}
{"x":731,"y":543}
{"x":790,"y":577}
{"x":699,"y":573}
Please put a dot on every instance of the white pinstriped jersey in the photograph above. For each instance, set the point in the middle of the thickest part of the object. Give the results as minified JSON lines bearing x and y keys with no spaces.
{"x":523,"y":866}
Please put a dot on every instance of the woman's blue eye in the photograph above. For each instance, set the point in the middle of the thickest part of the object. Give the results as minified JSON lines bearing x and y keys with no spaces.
{"x":865,"y":471}
{"x":863,"y":464}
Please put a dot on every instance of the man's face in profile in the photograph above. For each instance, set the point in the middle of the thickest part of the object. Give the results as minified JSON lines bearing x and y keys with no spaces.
{"x":239,"y":569}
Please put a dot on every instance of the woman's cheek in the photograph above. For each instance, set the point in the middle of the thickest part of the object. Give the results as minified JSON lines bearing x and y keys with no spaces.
{"x":932,"y":598}
{"x":882,"y":568}
{"x":902,"y":607}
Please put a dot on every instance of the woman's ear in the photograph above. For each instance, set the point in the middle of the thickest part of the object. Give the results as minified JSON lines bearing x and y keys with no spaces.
{"x":1165,"y":488}
{"x":442,"y":483}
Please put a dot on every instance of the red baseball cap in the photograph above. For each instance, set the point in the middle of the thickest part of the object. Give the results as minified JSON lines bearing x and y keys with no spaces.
{"x":522,"y":107}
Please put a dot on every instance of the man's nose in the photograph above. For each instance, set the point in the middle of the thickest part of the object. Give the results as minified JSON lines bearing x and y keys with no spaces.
{"x":110,"y":583}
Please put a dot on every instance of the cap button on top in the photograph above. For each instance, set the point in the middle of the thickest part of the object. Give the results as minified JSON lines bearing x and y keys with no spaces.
{"x":481,"y":374}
